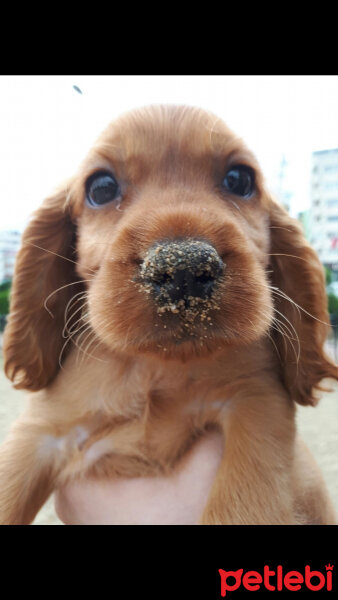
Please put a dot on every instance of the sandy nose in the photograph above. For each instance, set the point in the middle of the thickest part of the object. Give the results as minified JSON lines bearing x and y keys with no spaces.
{"x":180,"y":269}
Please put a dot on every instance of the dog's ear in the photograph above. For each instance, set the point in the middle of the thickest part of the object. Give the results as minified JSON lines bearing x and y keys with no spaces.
{"x":33,"y":335}
{"x":300,"y":302}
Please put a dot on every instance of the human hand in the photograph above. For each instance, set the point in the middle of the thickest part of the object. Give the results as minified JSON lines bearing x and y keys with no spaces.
{"x":175,"y":500}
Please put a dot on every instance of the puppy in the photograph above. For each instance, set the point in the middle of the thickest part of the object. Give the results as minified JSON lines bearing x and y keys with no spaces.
{"x":160,"y":293}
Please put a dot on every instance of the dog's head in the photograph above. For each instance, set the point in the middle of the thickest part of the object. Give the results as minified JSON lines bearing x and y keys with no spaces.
{"x":166,"y":242}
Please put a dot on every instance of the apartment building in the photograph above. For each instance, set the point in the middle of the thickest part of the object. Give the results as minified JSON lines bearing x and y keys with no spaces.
{"x":323,"y":219}
{"x":9,"y":245}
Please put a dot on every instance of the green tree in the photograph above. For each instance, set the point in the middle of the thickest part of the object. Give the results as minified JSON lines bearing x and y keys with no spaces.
{"x":332,"y":304}
{"x":328,"y":275}
{"x":5,"y":289}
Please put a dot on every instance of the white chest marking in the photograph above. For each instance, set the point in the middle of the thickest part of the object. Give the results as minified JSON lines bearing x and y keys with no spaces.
{"x":52,"y":445}
{"x":98,"y":449}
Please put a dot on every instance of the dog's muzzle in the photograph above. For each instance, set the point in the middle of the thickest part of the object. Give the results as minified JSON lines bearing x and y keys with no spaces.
{"x":180,"y":273}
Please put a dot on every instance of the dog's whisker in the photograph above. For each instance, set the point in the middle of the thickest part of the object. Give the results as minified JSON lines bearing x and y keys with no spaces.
{"x":59,"y":289}
{"x":274,"y":344}
{"x":94,"y":339}
{"x":71,"y":304}
{"x":278,"y":227}
{"x":69,"y":318}
{"x":286,"y":337}
{"x":290,"y":256}
{"x":69,"y":338}
{"x":83,"y":332}
{"x":86,"y":353}
{"x":279,"y":293}
{"x":56,"y":254}
{"x":275,"y":325}
{"x":72,"y":310}
{"x":301,"y":308}
{"x":74,"y":340}
{"x":282,"y":294}
{"x":291,"y":339}
{"x":75,"y":337}
{"x":82,"y":294}
{"x":286,"y":326}
{"x":67,"y":331}
{"x":83,"y":350}
{"x":281,"y":328}
{"x":80,"y":344}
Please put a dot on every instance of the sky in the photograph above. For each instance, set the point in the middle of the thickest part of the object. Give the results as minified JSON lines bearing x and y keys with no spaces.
{"x":47,"y":127}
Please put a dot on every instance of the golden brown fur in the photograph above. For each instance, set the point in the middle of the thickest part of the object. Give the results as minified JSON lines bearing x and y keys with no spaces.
{"x":123,"y":388}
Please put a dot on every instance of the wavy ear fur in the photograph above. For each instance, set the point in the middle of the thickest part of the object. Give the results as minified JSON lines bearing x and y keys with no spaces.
{"x":33,"y":337}
{"x":298,"y":279}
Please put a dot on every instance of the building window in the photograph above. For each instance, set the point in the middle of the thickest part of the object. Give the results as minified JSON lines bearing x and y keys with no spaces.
{"x":331,"y":185}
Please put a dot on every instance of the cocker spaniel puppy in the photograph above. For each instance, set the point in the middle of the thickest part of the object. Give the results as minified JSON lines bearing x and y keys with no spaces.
{"x":161,"y":293}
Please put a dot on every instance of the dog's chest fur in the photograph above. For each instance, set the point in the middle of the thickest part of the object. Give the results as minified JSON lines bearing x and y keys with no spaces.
{"x":139,"y":420}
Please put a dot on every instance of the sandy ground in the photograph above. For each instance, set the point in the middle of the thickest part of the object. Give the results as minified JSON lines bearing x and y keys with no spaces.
{"x":318,"y":427}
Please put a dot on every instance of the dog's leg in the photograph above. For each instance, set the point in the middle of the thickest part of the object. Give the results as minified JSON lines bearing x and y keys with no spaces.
{"x":31,"y":459}
{"x":36,"y":458}
{"x":312,"y":501}
{"x":253,"y":483}
{"x":26,"y":479}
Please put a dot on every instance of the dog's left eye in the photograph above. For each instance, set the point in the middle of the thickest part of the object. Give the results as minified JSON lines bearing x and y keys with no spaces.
{"x":101,"y":188}
{"x":239,"y":180}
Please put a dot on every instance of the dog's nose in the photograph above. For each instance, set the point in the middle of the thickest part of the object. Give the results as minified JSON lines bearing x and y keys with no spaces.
{"x":179,"y":269}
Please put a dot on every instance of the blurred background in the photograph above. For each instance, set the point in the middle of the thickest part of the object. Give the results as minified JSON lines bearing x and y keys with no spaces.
{"x":48,"y":123}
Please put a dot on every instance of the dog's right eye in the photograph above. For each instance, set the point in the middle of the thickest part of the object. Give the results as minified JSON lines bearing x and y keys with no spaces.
{"x":101,"y":188}
{"x":239,"y":180}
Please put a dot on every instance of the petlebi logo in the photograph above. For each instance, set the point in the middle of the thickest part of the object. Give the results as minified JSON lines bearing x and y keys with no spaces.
{"x":276,"y":579}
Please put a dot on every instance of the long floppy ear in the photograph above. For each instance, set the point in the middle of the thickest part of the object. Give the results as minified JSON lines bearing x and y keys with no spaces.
{"x":300,"y":307}
{"x":33,"y":335}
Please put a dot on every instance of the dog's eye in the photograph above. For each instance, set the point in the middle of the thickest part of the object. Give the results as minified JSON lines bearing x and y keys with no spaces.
{"x":101,"y":188}
{"x":239,"y":180}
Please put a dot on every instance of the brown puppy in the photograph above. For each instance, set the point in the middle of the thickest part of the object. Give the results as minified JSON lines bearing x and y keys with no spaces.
{"x":160,"y":293}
